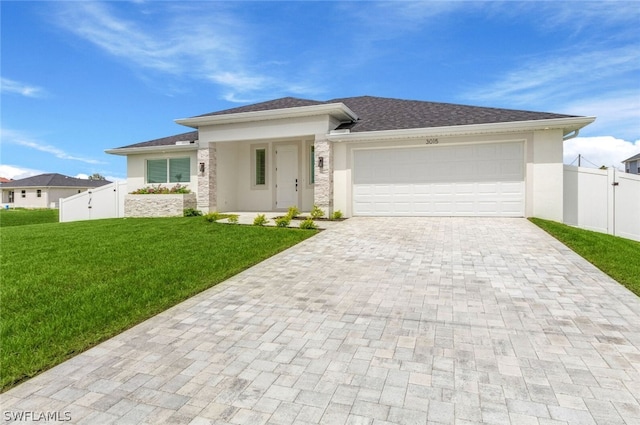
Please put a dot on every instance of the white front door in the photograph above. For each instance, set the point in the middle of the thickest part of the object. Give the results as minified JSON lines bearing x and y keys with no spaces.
{"x":286,"y":176}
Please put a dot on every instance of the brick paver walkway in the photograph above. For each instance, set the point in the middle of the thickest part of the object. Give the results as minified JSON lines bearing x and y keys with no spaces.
{"x":374,"y":321}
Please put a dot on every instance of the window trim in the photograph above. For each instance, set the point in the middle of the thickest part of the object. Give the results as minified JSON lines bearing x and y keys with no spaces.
{"x":254,"y":175}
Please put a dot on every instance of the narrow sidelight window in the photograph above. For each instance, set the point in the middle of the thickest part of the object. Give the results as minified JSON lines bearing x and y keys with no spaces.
{"x":312,"y":164}
{"x":261,"y":167}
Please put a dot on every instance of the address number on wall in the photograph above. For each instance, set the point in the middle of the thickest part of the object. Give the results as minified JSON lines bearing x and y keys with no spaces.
{"x":431,"y":141}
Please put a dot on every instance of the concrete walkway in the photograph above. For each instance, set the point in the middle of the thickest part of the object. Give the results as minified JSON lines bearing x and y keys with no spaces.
{"x":374,"y":321}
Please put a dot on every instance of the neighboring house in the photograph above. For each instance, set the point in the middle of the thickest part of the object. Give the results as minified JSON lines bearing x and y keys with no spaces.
{"x":365,"y":156}
{"x":44,"y":190}
{"x":632,"y":165}
{"x":5,"y":180}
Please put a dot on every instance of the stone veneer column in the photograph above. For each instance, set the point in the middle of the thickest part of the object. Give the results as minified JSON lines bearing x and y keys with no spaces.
{"x":207,"y":181}
{"x":323,"y":187}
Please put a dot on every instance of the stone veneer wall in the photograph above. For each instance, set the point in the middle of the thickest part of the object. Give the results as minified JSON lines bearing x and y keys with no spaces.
{"x":323,"y":187}
{"x":207,"y":188}
{"x":158,"y":205}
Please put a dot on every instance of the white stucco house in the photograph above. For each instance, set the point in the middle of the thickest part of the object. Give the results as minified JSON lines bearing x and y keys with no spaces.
{"x":632,"y":164}
{"x":44,"y":190}
{"x":365,"y":156}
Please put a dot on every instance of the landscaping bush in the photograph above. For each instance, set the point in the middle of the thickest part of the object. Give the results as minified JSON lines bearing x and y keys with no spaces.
{"x":308,"y":224}
{"x":212,"y":216}
{"x":232,"y":219}
{"x":192,"y":212}
{"x":260,"y":220}
{"x":283,"y":221}
{"x":162,"y":190}
{"x":293,"y":212}
{"x":316,"y":212}
{"x":337,"y":215}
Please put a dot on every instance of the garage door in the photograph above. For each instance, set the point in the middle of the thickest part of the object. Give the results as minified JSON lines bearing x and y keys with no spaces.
{"x":469,"y":180}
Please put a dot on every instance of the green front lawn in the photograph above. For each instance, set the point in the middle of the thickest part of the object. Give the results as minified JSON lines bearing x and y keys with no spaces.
{"x":24,"y":216}
{"x":68,"y":286}
{"x":617,"y":257}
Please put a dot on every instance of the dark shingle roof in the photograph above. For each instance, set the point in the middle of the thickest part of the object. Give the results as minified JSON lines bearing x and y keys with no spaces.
{"x":53,"y":180}
{"x":282,"y":103}
{"x":164,"y":141}
{"x":381,"y":113}
{"x":633,"y":158}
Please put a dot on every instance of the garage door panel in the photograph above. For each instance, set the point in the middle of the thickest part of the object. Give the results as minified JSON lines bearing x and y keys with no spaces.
{"x":514,"y":188}
{"x":485,"y":179}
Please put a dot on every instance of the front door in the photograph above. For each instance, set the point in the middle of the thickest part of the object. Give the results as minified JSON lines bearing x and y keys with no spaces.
{"x":286,"y":176}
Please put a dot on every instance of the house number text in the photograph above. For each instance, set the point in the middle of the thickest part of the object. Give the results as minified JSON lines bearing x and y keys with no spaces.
{"x":432,"y":141}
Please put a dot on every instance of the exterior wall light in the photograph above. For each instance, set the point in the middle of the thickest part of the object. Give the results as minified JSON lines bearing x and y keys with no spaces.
{"x":202,"y":167}
{"x":320,"y":161}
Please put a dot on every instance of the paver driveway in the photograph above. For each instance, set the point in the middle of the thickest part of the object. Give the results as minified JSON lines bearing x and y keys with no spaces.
{"x":376,"y":320}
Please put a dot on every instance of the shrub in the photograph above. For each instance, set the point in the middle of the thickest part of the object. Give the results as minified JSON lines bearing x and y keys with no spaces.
{"x":337,"y":215}
{"x":161,"y":190}
{"x":212,"y":216}
{"x":316,"y":212}
{"x":308,"y":224}
{"x":232,"y":219}
{"x":192,"y":212}
{"x":293,"y":212}
{"x":260,"y":220}
{"x":283,"y":221}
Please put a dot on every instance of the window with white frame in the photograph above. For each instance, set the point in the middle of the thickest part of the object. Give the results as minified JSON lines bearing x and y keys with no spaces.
{"x":39,"y":193}
{"x":259,"y":166}
{"x":23,"y":193}
{"x":312,"y":164}
{"x":170,"y":170}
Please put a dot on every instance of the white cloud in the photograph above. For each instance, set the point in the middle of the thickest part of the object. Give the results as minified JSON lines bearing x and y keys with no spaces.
{"x":107,"y":177}
{"x":617,"y":113}
{"x":600,"y":83}
{"x":16,"y":172}
{"x":580,"y":17}
{"x":562,"y":76}
{"x":12,"y":86}
{"x":599,"y":151}
{"x":188,"y":40}
{"x":18,"y":138}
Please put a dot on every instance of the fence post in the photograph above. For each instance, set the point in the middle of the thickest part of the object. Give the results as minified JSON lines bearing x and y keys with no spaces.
{"x":611,"y":201}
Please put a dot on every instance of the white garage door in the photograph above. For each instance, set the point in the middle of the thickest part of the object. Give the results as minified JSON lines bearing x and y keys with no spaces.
{"x":468,"y":180}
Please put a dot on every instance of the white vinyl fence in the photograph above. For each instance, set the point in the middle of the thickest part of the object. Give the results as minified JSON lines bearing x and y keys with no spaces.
{"x":606,"y":201}
{"x":103,"y":202}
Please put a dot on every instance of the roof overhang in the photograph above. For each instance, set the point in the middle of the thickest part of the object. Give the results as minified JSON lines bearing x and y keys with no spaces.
{"x":337,"y":110}
{"x":567,"y":125}
{"x":160,"y":148}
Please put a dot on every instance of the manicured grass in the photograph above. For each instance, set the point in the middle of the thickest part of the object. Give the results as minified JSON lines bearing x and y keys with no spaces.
{"x":617,"y":257}
{"x":23,"y":216}
{"x":68,"y":286}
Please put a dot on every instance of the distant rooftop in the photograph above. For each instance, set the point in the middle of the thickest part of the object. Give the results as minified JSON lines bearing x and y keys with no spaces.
{"x":52,"y":180}
{"x":633,"y":158}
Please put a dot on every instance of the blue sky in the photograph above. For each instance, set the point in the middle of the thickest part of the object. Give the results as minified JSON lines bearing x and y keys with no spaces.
{"x":82,"y":77}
